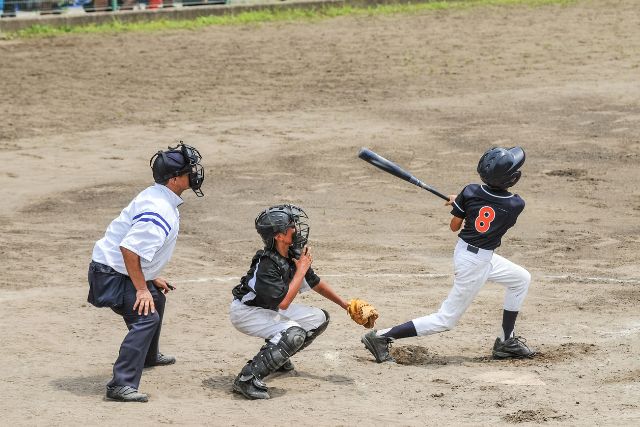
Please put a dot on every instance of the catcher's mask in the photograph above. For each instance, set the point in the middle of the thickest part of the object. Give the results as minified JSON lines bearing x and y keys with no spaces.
{"x":179,"y":160}
{"x":278,"y":219}
{"x":498,"y":167}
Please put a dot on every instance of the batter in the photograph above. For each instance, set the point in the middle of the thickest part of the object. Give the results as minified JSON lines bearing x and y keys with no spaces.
{"x":487,"y":211}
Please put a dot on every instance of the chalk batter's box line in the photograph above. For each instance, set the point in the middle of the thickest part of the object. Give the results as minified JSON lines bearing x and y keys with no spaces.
{"x":552,"y":277}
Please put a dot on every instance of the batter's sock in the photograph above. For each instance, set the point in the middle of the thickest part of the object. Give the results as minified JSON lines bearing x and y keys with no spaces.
{"x":508,"y":323}
{"x":405,"y":330}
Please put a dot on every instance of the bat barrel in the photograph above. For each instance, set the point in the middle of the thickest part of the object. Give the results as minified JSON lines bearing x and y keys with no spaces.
{"x":395,"y":170}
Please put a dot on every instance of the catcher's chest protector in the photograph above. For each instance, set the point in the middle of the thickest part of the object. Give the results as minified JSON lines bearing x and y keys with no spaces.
{"x":283,"y":265}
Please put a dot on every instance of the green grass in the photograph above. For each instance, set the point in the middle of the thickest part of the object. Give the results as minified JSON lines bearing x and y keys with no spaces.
{"x":271,"y":15}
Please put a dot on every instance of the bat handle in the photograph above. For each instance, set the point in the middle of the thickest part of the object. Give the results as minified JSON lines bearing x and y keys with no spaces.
{"x":431,"y":190}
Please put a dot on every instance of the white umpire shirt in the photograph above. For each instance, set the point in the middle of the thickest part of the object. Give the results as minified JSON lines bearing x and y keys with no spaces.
{"x":148,"y":226}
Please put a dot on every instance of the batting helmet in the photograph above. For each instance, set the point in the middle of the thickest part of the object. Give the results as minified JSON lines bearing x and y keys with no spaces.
{"x":179,"y":160}
{"x":498,"y":167}
{"x":278,"y":219}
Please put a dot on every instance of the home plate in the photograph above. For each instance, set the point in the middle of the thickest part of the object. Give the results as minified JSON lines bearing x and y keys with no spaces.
{"x":333,"y":358}
{"x":507,"y":377}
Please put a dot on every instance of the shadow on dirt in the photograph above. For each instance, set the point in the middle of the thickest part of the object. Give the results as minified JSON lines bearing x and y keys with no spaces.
{"x":223,"y":385}
{"x":335,"y":379}
{"x":82,"y":386}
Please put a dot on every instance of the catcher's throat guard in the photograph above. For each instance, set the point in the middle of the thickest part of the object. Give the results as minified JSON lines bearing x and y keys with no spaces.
{"x":178,"y":161}
{"x":280,"y":218}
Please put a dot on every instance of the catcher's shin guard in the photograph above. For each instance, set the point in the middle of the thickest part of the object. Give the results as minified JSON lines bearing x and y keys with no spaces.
{"x":272,"y":357}
{"x":314,"y":333}
{"x":288,"y":365}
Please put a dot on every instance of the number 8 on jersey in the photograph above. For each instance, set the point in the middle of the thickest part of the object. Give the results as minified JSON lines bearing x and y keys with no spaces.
{"x":484,"y":219}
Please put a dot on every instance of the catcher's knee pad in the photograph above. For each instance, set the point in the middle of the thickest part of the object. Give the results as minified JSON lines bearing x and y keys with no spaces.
{"x":314,"y":333}
{"x":273,"y":356}
{"x":292,"y":340}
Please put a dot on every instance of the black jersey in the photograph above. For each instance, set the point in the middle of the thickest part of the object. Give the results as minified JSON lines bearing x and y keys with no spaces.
{"x":487,"y":213}
{"x":267,"y":281}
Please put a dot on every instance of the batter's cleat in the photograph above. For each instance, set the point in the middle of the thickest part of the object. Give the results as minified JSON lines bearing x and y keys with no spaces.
{"x":125,"y":393}
{"x":378,"y":346}
{"x":161,"y":360}
{"x":287,"y":367}
{"x":251,"y":388}
{"x":513,"y":348}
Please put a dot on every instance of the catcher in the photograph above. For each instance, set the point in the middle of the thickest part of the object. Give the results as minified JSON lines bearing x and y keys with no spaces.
{"x":263,"y":301}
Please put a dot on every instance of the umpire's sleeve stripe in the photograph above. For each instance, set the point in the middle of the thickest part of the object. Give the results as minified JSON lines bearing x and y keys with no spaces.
{"x":153,"y":214}
{"x":156,"y":223}
{"x":461,"y":210}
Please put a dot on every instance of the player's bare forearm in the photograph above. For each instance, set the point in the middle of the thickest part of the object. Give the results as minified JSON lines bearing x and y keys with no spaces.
{"x":134,"y":270}
{"x":302,"y":266}
{"x":456,"y":223}
{"x":324,"y":289}
{"x":294,"y":288}
{"x":144,"y":301}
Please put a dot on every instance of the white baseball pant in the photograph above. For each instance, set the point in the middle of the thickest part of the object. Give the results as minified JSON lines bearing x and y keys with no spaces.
{"x":472,"y":270}
{"x":268,"y":324}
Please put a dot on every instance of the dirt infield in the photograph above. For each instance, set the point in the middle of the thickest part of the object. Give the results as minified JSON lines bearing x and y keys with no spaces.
{"x":279,"y":112}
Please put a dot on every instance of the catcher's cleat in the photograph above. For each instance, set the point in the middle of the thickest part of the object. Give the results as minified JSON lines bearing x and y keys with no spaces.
{"x":251,"y":388}
{"x":161,"y":360}
{"x":287,"y":367}
{"x":378,"y":346}
{"x":513,"y":348}
{"x":125,"y":393}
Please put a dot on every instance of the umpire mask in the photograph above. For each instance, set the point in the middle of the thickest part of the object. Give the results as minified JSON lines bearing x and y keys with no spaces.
{"x":178,"y":161}
{"x":278,"y":219}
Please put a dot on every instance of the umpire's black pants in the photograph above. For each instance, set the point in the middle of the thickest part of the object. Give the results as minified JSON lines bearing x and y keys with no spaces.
{"x":140,"y":346}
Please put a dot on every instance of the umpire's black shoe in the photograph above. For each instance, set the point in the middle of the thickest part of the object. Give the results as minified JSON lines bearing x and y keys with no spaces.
{"x":378,"y":346}
{"x":161,"y":360}
{"x":125,"y":393}
{"x":513,"y":348}
{"x":251,"y":388}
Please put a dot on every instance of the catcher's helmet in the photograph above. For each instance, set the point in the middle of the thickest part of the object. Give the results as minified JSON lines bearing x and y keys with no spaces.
{"x":178,"y":161}
{"x":278,"y":219}
{"x":498,"y":167}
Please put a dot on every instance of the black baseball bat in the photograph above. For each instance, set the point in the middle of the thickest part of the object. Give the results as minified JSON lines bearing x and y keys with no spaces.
{"x":395,"y":170}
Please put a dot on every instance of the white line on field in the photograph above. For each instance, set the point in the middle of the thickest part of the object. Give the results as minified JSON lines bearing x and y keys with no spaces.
{"x":368,"y":275}
{"x":35,"y":292}
{"x":565,"y":277}
{"x":573,"y":278}
{"x":622,"y":332}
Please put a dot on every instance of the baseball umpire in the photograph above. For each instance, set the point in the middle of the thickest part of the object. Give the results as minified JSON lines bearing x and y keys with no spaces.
{"x":126,"y":263}
{"x":487,"y":211}
{"x":262,"y":302}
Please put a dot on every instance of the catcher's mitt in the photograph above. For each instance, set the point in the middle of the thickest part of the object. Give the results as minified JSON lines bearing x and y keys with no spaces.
{"x":362,"y":313}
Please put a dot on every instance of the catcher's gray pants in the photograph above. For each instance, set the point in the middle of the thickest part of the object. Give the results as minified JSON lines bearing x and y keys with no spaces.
{"x":472,"y":270}
{"x":140,"y":345}
{"x":268,"y":324}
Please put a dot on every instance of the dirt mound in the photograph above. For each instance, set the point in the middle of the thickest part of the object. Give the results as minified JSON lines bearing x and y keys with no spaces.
{"x":416,"y":355}
{"x":533,"y":416}
{"x":564,"y":352}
